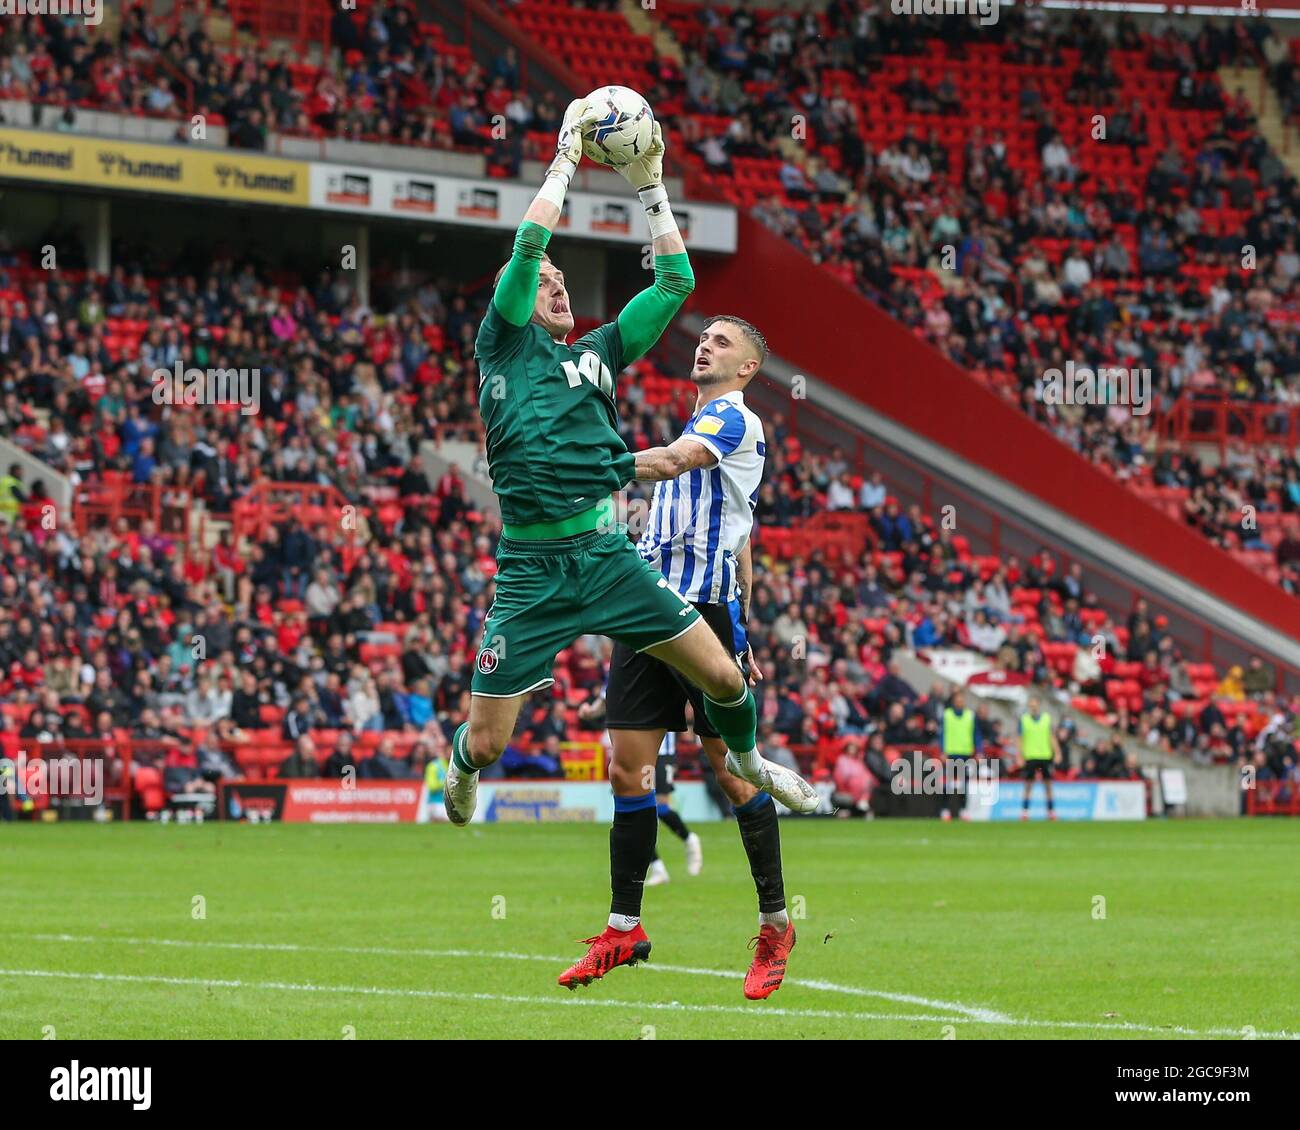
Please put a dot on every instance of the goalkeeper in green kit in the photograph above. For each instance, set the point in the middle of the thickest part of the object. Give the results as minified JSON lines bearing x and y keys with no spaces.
{"x":566,"y":568}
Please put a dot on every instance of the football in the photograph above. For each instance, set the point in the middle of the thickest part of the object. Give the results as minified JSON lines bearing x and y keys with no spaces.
{"x":624,"y":129}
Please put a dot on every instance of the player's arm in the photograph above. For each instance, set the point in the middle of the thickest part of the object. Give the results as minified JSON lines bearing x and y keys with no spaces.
{"x":644,"y":319}
{"x":655,"y":464}
{"x":708,"y":439}
{"x":516,"y":293}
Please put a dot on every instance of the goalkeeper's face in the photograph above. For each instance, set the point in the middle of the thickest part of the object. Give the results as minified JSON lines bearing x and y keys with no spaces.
{"x":552,"y":311}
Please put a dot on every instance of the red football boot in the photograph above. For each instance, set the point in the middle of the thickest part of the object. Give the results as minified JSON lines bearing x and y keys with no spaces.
{"x":608,"y":950}
{"x":771,"y":949}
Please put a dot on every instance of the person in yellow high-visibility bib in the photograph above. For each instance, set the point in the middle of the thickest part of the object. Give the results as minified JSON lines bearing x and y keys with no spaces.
{"x":1039,"y":750}
{"x":435,"y":778}
{"x":961,"y":742}
{"x":12,"y":495}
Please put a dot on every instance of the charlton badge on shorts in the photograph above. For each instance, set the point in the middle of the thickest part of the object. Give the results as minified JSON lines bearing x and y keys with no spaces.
{"x":487,"y":661}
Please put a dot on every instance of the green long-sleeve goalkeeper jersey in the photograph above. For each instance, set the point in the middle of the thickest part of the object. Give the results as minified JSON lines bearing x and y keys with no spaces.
{"x":548,"y":408}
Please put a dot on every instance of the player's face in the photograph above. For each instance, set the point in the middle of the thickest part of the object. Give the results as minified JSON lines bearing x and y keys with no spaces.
{"x":723,"y":354}
{"x":552,"y":311}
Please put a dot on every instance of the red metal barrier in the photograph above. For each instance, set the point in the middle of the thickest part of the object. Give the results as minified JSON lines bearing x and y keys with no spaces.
{"x":1273,"y":798}
{"x":44,"y":783}
{"x":114,"y":496}
{"x":304,"y":22}
{"x":1221,"y":421}
{"x":323,"y":510}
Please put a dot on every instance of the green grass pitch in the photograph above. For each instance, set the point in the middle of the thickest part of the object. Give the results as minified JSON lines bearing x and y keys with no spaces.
{"x":914,"y":930}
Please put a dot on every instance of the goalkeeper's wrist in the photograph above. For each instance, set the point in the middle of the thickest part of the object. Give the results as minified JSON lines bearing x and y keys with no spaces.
{"x":658,"y":213}
{"x":557,"y":181}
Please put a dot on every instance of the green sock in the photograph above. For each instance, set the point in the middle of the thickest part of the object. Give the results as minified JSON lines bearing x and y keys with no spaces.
{"x":737,"y":722}
{"x":458,"y":755}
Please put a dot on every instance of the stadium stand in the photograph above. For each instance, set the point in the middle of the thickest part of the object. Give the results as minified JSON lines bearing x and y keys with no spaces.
{"x":325,"y":645}
{"x":1015,"y":251}
{"x":99,"y":628}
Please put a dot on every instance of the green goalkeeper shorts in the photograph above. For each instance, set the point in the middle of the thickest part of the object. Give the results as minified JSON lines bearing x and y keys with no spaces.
{"x":551,"y":592}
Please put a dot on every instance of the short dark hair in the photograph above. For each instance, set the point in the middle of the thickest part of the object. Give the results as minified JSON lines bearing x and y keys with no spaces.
{"x":751,"y":333}
{"x":502,"y":270}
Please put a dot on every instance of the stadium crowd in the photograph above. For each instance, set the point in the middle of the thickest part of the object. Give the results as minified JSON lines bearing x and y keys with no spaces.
{"x":390,"y":79}
{"x":1009,"y":268}
{"x":338,"y":651}
{"x":323,"y":647}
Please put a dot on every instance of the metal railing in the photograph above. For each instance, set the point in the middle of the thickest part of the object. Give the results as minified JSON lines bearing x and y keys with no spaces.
{"x":322,"y":509}
{"x":1220,"y":420}
{"x":302,"y":22}
{"x":105,"y":501}
{"x":1273,"y":798}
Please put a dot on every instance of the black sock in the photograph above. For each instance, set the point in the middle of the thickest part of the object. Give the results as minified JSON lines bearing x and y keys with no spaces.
{"x":631,"y":847}
{"x":675,"y":823}
{"x":761,"y":835}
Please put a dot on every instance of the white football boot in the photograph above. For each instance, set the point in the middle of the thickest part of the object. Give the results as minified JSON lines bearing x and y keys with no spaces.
{"x":694,"y":855}
{"x":657,"y":876}
{"x":778,"y":782}
{"x":459,"y":795}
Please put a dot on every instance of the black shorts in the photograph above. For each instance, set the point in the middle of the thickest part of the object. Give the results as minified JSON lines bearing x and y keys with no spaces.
{"x":644,"y":693}
{"x":1038,"y":767}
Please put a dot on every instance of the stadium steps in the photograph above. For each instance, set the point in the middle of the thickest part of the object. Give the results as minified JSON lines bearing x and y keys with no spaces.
{"x":642,"y":24}
{"x":110,"y":23}
{"x":213,"y":528}
{"x":436,"y":458}
{"x":58,"y":485}
{"x":221,"y":29}
{"x":1212,"y":790}
{"x":220,"y":26}
{"x":1280,"y":134}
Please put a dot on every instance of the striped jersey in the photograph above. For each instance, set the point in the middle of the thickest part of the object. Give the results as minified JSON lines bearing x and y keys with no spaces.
{"x":700,"y":521}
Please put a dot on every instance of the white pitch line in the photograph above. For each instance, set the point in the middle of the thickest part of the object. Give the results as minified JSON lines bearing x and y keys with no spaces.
{"x":965,"y":1014}
{"x":982,"y":1014}
{"x":590,"y":1001}
{"x":437,"y":994}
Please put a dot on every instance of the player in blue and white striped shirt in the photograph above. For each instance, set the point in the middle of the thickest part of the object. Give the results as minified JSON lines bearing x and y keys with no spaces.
{"x":698,"y":536}
{"x":700,"y":521}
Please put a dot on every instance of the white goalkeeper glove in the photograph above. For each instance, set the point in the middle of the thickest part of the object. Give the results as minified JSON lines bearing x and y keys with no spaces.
{"x":568,"y":146}
{"x":646,"y":175}
{"x":568,"y":151}
{"x":646,"y":171}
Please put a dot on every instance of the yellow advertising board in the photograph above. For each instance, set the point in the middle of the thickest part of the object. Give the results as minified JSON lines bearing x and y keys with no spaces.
{"x":231,"y":175}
